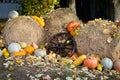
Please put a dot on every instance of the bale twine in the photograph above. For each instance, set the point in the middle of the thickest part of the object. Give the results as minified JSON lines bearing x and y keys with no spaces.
{"x":57,"y":19}
{"x":22,"y":29}
{"x":99,"y":37}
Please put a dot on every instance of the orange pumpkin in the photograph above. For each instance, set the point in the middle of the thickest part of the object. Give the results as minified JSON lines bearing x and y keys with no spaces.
{"x":29,"y":49}
{"x":90,"y":62}
{"x":71,"y":25}
{"x":74,"y":56}
{"x":21,"y":53}
{"x":116,"y":65}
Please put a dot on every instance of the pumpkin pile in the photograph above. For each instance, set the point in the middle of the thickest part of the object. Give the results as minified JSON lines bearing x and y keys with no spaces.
{"x":22,"y":49}
{"x":94,"y":62}
{"x":90,"y":61}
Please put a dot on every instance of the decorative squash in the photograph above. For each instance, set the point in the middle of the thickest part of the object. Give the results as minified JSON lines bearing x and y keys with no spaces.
{"x":107,"y":63}
{"x":40,"y":52}
{"x":13,"y":14}
{"x":20,"y":53}
{"x":39,"y":20}
{"x":75,"y":32}
{"x":99,"y":67}
{"x":6,"y":54}
{"x":71,"y":25}
{"x":90,"y":62}
{"x":79,"y":60}
{"x":14,"y":47}
{"x":29,"y":49}
{"x":23,"y":44}
{"x":116,"y":65}
{"x":74,"y":56}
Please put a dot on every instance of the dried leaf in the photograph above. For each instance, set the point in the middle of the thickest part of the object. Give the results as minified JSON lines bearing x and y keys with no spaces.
{"x":109,"y":39}
{"x":106,"y":31}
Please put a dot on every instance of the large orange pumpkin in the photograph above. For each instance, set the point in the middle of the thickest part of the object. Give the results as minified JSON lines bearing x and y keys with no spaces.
{"x":90,"y":62}
{"x":116,"y":65}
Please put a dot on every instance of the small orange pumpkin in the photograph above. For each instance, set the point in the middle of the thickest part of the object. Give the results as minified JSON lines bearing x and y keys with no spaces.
{"x":71,"y":25}
{"x":29,"y":49}
{"x":90,"y":62}
{"x":116,"y":65}
{"x":74,"y":56}
{"x":20,"y":53}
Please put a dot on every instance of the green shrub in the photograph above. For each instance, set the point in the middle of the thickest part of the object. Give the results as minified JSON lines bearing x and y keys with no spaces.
{"x":38,"y":7}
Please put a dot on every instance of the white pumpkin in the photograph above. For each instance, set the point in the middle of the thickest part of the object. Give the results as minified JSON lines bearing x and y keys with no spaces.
{"x":107,"y":63}
{"x":40,"y":52}
{"x":14,"y":47}
{"x":1,"y":53}
{"x":13,"y":14}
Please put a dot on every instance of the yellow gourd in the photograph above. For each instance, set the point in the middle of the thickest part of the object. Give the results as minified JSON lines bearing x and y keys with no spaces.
{"x":79,"y":60}
{"x":39,"y":20}
{"x":4,"y":50}
{"x":21,"y":53}
{"x":99,"y":67}
{"x":5,"y":53}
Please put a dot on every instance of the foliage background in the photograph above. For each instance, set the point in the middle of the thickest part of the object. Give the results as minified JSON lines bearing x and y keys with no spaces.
{"x":38,"y":7}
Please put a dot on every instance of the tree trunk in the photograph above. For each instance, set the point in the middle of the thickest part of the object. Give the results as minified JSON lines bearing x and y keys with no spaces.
{"x":72,"y":5}
{"x":117,"y":9}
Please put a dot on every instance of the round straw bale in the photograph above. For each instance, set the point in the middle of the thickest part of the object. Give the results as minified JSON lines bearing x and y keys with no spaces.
{"x":100,"y":37}
{"x":23,"y":29}
{"x":57,"y":19}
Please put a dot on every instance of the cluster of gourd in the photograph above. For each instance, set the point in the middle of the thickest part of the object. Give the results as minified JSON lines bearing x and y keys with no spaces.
{"x":94,"y":62}
{"x":90,"y":61}
{"x":73,"y":28}
{"x":22,"y":49}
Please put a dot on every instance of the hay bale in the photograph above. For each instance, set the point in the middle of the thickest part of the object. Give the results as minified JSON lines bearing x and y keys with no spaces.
{"x":22,"y":29}
{"x":57,"y":19}
{"x":100,"y":37}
